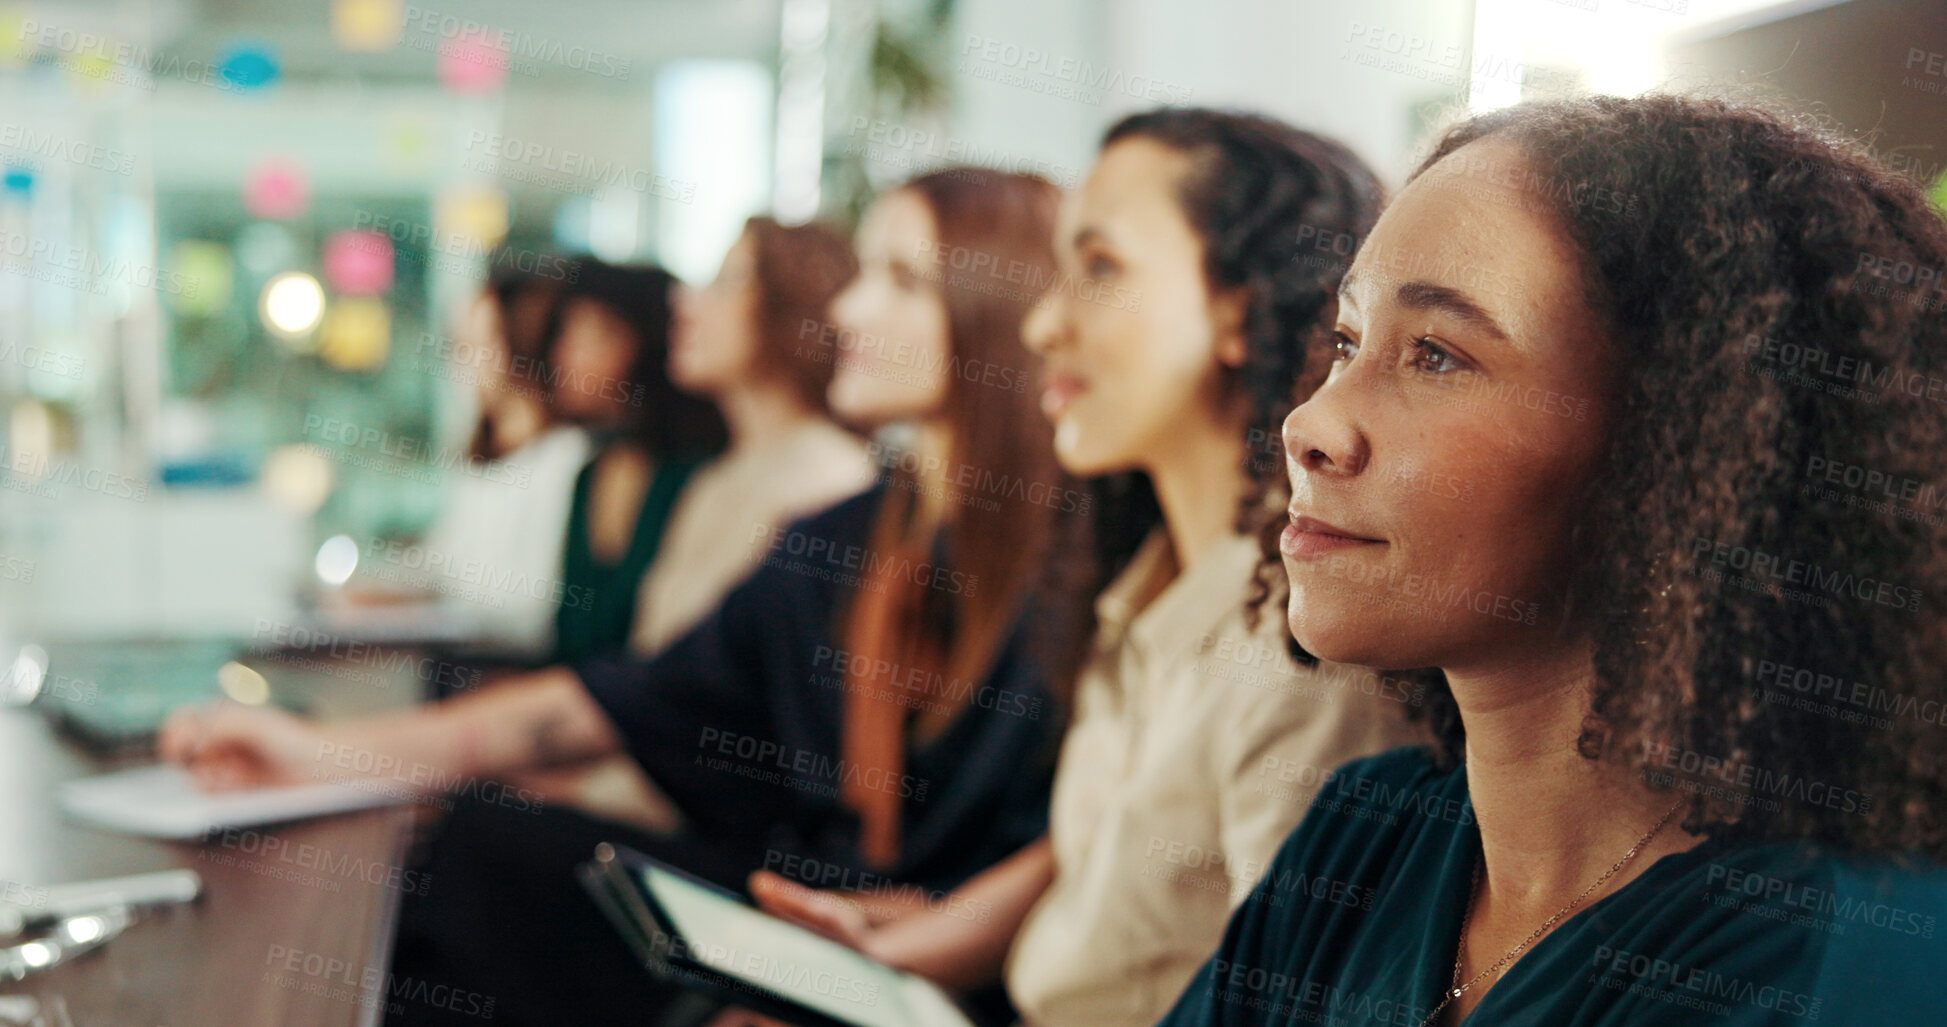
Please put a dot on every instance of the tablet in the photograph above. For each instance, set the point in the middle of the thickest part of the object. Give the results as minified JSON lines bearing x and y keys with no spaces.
{"x":696,"y":934}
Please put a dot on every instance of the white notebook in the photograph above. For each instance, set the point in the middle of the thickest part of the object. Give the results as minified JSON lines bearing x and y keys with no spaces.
{"x":163,"y":801}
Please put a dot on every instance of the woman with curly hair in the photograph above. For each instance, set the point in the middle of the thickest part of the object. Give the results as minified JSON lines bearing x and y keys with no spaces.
{"x":1595,"y":367}
{"x":1199,"y":260}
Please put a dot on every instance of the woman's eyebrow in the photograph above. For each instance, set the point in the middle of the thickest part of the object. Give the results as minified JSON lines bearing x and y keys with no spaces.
{"x":1428,"y":296}
{"x":1345,"y":288}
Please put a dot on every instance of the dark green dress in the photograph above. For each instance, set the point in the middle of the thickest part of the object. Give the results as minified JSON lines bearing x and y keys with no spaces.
{"x":598,"y":599}
{"x":1356,"y":921}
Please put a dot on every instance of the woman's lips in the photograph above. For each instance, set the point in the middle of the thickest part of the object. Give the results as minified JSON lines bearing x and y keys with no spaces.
{"x":1307,"y":537}
{"x":1058,"y":393}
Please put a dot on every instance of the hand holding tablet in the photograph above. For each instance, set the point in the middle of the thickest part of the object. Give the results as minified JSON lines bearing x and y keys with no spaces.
{"x":694,"y":934}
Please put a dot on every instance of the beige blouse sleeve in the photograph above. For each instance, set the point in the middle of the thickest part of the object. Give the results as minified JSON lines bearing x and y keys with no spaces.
{"x":1268,"y":766}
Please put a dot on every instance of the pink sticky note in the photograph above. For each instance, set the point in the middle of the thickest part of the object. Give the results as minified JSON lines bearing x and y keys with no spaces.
{"x":471,"y":63}
{"x":278,"y":189}
{"x":358,"y":263}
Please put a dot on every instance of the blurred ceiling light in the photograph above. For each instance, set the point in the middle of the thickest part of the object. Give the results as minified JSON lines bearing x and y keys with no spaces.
{"x":357,"y":334}
{"x":243,"y":684}
{"x":369,"y":26}
{"x":24,"y":680}
{"x":292,"y":305}
{"x":298,"y":478}
{"x":277,"y":189}
{"x":336,"y":561}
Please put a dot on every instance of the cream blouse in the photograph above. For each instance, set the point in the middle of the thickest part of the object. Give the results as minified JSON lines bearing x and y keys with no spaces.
{"x":1196,"y":745}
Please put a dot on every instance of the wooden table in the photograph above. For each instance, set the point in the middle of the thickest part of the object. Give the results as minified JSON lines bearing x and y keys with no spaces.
{"x":295,"y":925}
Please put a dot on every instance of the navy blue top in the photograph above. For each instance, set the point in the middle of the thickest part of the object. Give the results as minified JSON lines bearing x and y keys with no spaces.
{"x":1356,"y":921}
{"x":739,"y":722}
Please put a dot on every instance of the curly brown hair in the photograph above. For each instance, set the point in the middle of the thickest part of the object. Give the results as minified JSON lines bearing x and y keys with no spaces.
{"x":1766,"y":639}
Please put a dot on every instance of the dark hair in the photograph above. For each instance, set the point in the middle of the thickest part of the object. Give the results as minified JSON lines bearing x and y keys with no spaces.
{"x":798,"y":270}
{"x":1717,"y":235}
{"x":524,"y":305}
{"x":1280,"y":212}
{"x":663,"y":419}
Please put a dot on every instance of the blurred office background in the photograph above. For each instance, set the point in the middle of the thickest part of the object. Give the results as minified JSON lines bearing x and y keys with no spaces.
{"x":234,"y":233}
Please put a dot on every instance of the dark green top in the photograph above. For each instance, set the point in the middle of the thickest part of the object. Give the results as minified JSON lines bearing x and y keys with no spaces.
{"x":1356,"y":920}
{"x":598,"y":599}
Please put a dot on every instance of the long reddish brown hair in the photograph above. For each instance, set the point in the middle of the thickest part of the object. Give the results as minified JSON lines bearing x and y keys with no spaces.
{"x":997,"y":434}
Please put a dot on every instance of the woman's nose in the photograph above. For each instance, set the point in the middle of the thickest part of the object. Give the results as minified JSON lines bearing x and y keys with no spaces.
{"x":1322,"y":435}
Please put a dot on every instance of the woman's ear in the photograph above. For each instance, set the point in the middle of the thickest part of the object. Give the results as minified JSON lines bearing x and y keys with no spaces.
{"x":1228,"y":310}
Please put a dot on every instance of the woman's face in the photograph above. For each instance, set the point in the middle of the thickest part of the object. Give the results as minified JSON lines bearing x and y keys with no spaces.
{"x":713,"y":343}
{"x":1445,"y":457}
{"x":889,"y":330}
{"x":592,"y":359}
{"x":481,"y":341}
{"x":1137,"y":348}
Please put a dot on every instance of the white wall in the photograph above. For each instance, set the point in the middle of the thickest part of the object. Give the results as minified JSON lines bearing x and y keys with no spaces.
{"x":1009,"y":98}
{"x":1326,"y":66}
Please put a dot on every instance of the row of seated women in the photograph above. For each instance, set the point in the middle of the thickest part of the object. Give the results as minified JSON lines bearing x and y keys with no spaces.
{"x":1280,"y":602}
{"x":620,"y":418}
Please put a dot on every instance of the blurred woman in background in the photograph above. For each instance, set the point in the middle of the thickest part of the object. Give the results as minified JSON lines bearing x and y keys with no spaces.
{"x":1191,"y":288}
{"x":607,"y":362}
{"x":747,"y":340}
{"x":509,"y":510}
{"x":503,"y":332}
{"x":903,"y":642}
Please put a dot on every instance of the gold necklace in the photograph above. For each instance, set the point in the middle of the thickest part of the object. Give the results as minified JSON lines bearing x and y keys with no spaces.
{"x":1455,"y":989}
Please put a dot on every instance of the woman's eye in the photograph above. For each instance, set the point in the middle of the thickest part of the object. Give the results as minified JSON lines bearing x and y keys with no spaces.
{"x":1100,"y":267}
{"x":1343,"y":348}
{"x":1429,"y":357}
